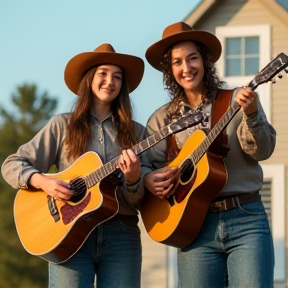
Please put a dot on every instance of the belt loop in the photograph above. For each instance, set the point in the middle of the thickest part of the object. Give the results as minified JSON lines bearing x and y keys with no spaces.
{"x":225,"y":205}
{"x":237,"y":200}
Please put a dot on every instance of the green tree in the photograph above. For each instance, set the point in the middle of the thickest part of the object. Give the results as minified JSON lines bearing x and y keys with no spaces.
{"x":32,"y":111}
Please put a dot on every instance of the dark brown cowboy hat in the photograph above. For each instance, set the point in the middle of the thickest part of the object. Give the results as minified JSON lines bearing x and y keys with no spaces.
{"x":181,"y":32}
{"x":76,"y":68}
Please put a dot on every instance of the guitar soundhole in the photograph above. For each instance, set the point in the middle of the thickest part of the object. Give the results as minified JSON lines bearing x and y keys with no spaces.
{"x":79,"y":188}
{"x":187,"y":169}
{"x":187,"y":177}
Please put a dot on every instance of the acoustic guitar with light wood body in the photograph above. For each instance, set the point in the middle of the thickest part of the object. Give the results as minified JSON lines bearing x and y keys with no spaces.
{"x":177,"y":220}
{"x":55,"y":229}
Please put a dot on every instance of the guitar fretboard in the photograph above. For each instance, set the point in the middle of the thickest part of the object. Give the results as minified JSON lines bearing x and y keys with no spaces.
{"x":96,"y":176}
{"x":215,"y":131}
{"x":186,"y":121}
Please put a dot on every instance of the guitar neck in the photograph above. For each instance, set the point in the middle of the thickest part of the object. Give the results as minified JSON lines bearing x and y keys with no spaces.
{"x":215,"y":131}
{"x":152,"y":140}
{"x":105,"y":170}
{"x":221,"y":124}
{"x":186,"y":121}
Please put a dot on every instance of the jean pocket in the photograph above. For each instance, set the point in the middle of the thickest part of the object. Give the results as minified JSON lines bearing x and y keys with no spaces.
{"x":130,"y":222}
{"x":255,"y":208}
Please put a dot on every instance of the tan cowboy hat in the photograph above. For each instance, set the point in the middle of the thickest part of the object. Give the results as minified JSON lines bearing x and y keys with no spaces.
{"x":178,"y":32}
{"x":76,"y":68}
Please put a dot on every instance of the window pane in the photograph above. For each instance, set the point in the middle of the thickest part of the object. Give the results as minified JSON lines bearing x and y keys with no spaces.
{"x":233,"y":67}
{"x":233,"y":46}
{"x":251,"y":66}
{"x":252,"y":45}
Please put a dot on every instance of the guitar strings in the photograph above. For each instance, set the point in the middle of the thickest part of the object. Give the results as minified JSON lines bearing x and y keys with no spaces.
{"x":81,"y":184}
{"x":186,"y":166}
{"x":78,"y":185}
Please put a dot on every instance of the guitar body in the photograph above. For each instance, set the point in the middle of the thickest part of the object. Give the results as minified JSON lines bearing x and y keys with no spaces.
{"x":57,"y":241}
{"x":178,"y":224}
{"x":54,"y":229}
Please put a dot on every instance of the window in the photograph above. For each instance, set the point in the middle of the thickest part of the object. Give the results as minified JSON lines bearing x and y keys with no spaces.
{"x":245,"y":51}
{"x":266,"y":198}
{"x":242,"y":56}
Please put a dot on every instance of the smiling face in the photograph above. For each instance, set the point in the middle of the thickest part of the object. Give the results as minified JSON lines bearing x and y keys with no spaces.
{"x":187,"y":66}
{"x":106,"y":83}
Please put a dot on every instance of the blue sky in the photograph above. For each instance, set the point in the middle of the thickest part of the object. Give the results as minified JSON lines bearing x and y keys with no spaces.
{"x":38,"y":38}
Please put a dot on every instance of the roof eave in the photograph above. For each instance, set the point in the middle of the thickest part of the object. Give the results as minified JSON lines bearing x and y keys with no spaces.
{"x":203,"y":7}
{"x":206,"y":5}
{"x":278,"y":9}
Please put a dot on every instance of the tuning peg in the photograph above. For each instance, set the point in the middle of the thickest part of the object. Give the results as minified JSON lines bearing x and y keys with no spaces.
{"x":286,"y":69}
{"x":280,"y":76}
{"x":273,"y":81}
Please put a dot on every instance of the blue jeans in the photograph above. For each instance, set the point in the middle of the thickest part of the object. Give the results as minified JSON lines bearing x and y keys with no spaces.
{"x":233,"y":249}
{"x":112,"y":251}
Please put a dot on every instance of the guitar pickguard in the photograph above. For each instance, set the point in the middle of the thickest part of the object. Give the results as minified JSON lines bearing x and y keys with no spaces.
{"x":69,"y":212}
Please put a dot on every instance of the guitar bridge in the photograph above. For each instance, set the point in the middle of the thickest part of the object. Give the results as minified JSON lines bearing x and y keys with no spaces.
{"x":53,"y":209}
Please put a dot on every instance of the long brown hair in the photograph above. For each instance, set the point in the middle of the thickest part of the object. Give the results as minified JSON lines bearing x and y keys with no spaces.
{"x":79,"y":130}
{"x":211,"y":81}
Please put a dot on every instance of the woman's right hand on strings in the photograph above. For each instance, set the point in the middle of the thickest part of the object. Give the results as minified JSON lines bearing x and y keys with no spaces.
{"x":54,"y":187}
{"x":162,"y":182}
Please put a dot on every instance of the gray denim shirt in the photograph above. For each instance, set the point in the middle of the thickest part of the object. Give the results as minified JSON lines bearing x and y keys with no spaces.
{"x":48,"y":147}
{"x":250,"y":140}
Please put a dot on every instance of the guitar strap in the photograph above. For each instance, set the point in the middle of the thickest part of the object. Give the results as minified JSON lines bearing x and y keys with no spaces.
{"x":220,"y":145}
{"x":221,"y":103}
{"x":172,"y":148}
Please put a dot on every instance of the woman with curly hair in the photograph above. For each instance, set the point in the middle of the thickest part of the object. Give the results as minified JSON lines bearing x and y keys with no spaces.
{"x":233,"y":246}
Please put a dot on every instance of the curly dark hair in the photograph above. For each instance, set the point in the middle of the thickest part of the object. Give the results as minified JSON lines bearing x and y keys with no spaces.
{"x":211,"y":81}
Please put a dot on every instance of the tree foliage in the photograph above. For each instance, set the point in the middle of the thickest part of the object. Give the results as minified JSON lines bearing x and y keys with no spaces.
{"x":31,"y":112}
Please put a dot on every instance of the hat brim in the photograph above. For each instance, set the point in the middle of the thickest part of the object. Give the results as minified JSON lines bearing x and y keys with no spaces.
{"x":155,"y":52}
{"x":78,"y":66}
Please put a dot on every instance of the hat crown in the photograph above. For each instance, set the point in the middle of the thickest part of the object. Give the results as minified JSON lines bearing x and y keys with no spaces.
{"x":179,"y":32}
{"x":176,"y":28}
{"x":105,"y":48}
{"x":78,"y":66}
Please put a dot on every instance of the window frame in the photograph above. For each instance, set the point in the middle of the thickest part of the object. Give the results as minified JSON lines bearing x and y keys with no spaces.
{"x":264,"y":34}
{"x":276,"y":174}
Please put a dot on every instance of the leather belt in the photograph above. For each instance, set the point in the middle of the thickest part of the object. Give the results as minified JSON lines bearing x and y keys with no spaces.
{"x":231,"y":203}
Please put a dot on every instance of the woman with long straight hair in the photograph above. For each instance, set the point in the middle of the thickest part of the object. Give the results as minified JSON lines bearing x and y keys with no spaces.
{"x":101,"y":121}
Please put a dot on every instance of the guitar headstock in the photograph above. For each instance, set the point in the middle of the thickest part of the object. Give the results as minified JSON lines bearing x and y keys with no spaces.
{"x":279,"y":63}
{"x":186,"y":121}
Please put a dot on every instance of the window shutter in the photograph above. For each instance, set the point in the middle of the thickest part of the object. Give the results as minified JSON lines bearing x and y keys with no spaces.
{"x":265,"y":193}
